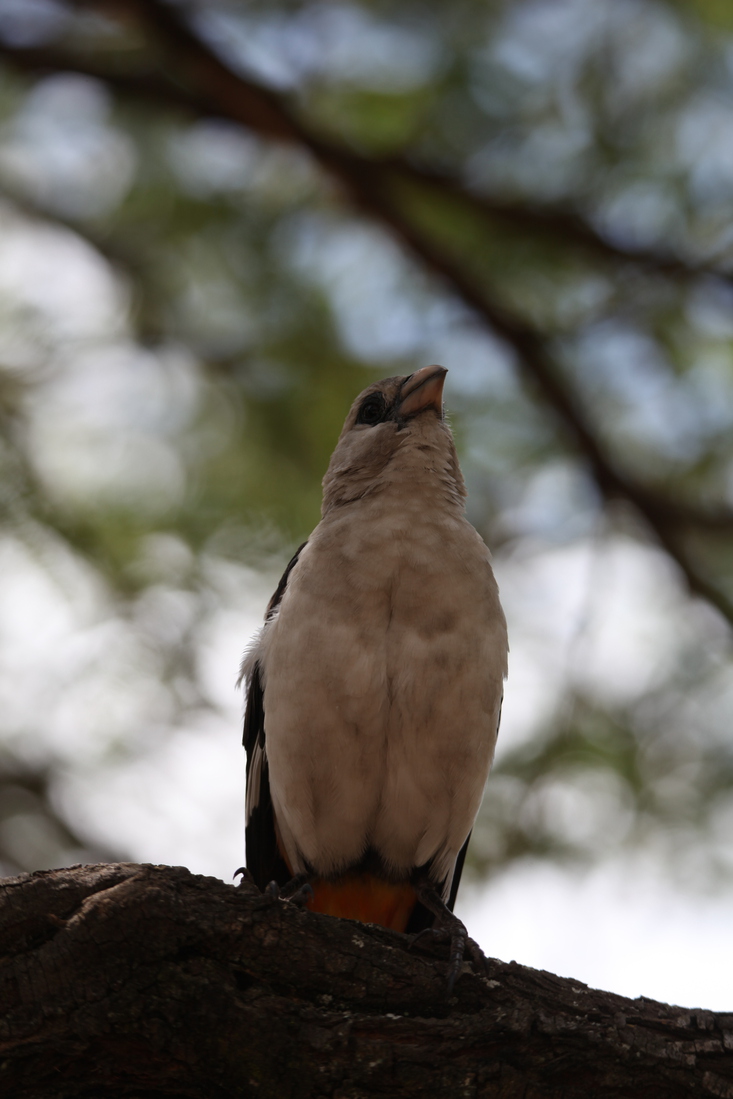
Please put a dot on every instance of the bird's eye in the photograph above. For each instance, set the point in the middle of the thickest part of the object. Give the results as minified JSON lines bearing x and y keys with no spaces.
{"x":372,"y":411}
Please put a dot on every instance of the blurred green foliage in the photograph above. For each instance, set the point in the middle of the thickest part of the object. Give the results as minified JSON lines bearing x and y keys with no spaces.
{"x":188,"y":306}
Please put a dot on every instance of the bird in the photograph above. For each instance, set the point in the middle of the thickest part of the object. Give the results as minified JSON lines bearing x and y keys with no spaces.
{"x":374,"y":688}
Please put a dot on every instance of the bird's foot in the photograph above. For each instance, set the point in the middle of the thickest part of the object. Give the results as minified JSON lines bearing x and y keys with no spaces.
{"x":297,"y":891}
{"x":460,"y":944}
{"x":449,"y":929}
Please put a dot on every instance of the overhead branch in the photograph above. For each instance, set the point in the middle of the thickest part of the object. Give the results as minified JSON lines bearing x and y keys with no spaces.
{"x":564,"y":227}
{"x":230,"y":95}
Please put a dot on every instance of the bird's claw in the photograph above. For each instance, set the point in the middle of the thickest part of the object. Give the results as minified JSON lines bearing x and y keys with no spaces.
{"x":460,"y":944}
{"x":448,"y":928}
{"x":247,"y":878}
{"x":298,"y":891}
{"x":301,"y":896}
{"x":434,"y":934}
{"x":269,"y":896}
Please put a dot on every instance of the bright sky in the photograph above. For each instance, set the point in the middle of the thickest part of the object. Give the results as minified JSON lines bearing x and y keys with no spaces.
{"x":623,"y":927}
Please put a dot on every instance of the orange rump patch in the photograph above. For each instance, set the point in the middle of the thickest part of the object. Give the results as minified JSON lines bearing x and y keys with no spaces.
{"x":365,"y":897}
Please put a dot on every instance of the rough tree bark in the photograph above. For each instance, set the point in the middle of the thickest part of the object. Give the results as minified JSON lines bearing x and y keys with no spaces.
{"x":148,"y":981}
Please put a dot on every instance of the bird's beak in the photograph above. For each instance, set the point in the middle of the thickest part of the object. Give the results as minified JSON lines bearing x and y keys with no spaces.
{"x":423,"y":389}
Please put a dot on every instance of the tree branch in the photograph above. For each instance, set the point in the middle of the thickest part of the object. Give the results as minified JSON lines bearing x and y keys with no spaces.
{"x":122,"y":979}
{"x":268,"y":114}
{"x":565,"y":227}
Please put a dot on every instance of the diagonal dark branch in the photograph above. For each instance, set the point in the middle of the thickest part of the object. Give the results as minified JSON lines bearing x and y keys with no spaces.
{"x":197,"y":79}
{"x":136,"y":82}
{"x":268,"y":114}
{"x":563,"y":226}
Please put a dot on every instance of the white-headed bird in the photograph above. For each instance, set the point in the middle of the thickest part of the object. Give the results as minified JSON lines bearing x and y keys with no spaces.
{"x":374,"y":687}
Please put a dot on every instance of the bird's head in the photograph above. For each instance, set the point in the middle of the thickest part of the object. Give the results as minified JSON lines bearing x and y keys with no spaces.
{"x":395,"y":435}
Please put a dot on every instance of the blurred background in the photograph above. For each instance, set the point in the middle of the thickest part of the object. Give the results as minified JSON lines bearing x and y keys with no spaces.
{"x":219,"y":221}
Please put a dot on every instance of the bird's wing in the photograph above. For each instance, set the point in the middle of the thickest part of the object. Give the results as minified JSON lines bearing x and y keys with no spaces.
{"x":456,"y":880}
{"x":264,"y":860}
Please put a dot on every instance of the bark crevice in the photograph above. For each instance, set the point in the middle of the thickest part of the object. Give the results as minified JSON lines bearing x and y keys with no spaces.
{"x":156,"y":982}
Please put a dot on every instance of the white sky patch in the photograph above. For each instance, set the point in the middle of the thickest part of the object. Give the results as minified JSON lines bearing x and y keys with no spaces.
{"x":380,"y":310}
{"x":182,"y":803}
{"x":53,"y":272}
{"x":60,"y":148}
{"x":105,"y":426}
{"x":705,"y":144}
{"x":181,"y":799}
{"x":609,"y":616}
{"x":328,"y":41}
{"x":620,"y":927}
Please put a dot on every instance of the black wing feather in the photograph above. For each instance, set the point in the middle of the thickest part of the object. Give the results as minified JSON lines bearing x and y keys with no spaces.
{"x":421,"y":917}
{"x":264,"y":861}
{"x":457,"y":873}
